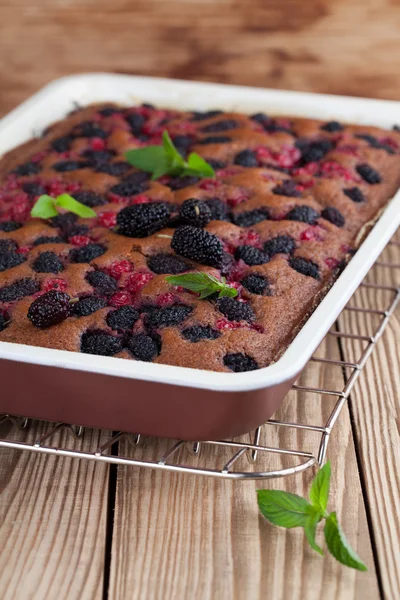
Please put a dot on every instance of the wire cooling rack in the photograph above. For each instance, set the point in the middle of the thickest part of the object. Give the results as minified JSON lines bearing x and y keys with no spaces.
{"x":284,"y":445}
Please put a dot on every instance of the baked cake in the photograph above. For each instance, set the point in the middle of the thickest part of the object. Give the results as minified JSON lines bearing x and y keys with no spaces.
{"x":286,"y":209}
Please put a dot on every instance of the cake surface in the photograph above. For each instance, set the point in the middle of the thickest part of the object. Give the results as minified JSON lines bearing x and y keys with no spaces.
{"x":280,"y":219}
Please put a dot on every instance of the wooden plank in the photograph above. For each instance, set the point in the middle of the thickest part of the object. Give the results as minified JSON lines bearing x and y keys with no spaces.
{"x":178,"y":536}
{"x":52,"y":521}
{"x":375,"y":405}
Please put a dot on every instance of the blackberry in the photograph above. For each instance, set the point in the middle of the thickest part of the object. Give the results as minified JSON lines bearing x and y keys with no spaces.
{"x":216,"y":164}
{"x":132,"y":185}
{"x":199,"y":245}
{"x":168,"y":316}
{"x":98,"y":157}
{"x":104,"y":284}
{"x":89,"y":198}
{"x":8,"y":260}
{"x":122,"y":318}
{"x":167,"y":264}
{"x":182,"y":143}
{"x":255,"y":284}
{"x":234,"y":310}
{"x":287,"y":188}
{"x":29,"y":168}
{"x":9,"y":226}
{"x":47,"y":262}
{"x":225,"y":125}
{"x":33,"y":189}
{"x":315,"y":151}
{"x":62,"y":144}
{"x":332,"y":126}
{"x":303,"y":213}
{"x":88,"y":305}
{"x":77,"y":229}
{"x":239,"y":362}
{"x":304,"y":266}
{"x":374,"y":142}
{"x":49,"y":309}
{"x":7,"y":246}
{"x":201,"y":116}
{"x":334,"y":216}
{"x":354,"y":194}
{"x":88,"y":129}
{"x":284,"y":244}
{"x":108,"y":111}
{"x":215,"y":139}
{"x":218,"y":208}
{"x":195,"y":212}
{"x":141,"y":220}
{"x":19,"y":289}
{"x":260,"y":118}
{"x":86,"y":253}
{"x":369,"y":174}
{"x":143,"y":347}
{"x":198,"y":333}
{"x":3,"y":321}
{"x":65,"y":221}
{"x":178,"y":183}
{"x":101,"y":343}
{"x":250,"y":217}
{"x":115,"y":169}
{"x":135,"y":122}
{"x":251,"y":256}
{"x":43,"y":239}
{"x":65,"y":166}
{"x":246,"y":158}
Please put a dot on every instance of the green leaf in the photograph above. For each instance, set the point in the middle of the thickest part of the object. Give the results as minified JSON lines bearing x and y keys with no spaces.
{"x":284,"y":509}
{"x":69,"y":203}
{"x":44,"y":208}
{"x":338,"y":545}
{"x":198,"y":165}
{"x":203,"y":284}
{"x":310,"y":529}
{"x":147,"y":159}
{"x":319,"y":492}
{"x":171,"y":152}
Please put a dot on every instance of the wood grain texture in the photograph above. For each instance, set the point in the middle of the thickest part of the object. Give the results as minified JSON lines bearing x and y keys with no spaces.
{"x":52,"y":522}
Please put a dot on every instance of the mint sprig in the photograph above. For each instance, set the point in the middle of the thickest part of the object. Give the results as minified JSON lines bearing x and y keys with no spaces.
{"x":290,"y":510}
{"x":203,"y":284}
{"x":45,"y":207}
{"x":166,"y":160}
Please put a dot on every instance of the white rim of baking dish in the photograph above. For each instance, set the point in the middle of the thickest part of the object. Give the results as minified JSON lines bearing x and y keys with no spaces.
{"x":56,"y":99}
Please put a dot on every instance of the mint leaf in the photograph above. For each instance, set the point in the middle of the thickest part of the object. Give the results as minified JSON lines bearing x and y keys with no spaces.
{"x":284,"y":509}
{"x":44,"y":208}
{"x":319,"y":491}
{"x":196,"y":165}
{"x":69,"y":203}
{"x":310,"y":529}
{"x":339,"y":546}
{"x":147,"y":159}
{"x":175,"y":158}
{"x":203,"y":284}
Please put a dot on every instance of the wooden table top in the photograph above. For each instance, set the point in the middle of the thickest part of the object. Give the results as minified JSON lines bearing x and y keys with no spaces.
{"x":76,"y":530}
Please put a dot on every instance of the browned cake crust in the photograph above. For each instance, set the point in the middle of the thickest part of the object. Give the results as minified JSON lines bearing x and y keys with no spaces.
{"x":288,"y":202}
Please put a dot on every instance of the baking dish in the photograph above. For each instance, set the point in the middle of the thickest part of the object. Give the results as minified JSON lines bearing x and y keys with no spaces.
{"x":159,"y":399}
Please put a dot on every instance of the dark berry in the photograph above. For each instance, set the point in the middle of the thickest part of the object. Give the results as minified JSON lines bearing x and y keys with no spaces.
{"x":260,"y":118}
{"x":65,"y":221}
{"x":8,"y":260}
{"x":218,"y":126}
{"x":167,"y":264}
{"x":33,"y":189}
{"x":48,"y":240}
{"x":287,"y":188}
{"x":304,"y":213}
{"x":216,"y":164}
{"x":29,"y":168}
{"x":49,"y":309}
{"x":255,"y":284}
{"x":284,"y":244}
{"x":101,"y":343}
{"x":143,"y":347}
{"x":77,"y":229}
{"x":104,"y":284}
{"x":86,"y":306}
{"x":47,"y":262}
{"x":251,"y":256}
{"x":354,"y":194}
{"x":9,"y":226}
{"x":374,"y":142}
{"x":89,"y":129}
{"x":197,"y":333}
{"x":178,"y":183}
{"x":334,"y":216}
{"x":246,"y":158}
{"x":19,"y":289}
{"x":141,"y":220}
{"x":7,"y":246}
{"x":369,"y":174}
{"x":108,"y":111}
{"x":3,"y":321}
{"x":396,"y":127}
{"x":199,"y":245}
{"x":168,"y":316}
{"x":62,"y":144}
{"x":234,"y":310}
{"x":315,"y":151}
{"x":250,"y":217}
{"x":332,"y":126}
{"x":132,"y":185}
{"x":219,"y":210}
{"x":122,"y":318}
{"x":89,"y":198}
{"x":65,"y":166}
{"x":135,"y":122}
{"x":98,"y":157}
{"x":86,"y":253}
{"x":215,"y":139}
{"x":304,"y":266}
{"x":201,"y":116}
{"x":195,"y":212}
{"x":239,"y":362}
{"x":115,"y":169}
{"x":182,"y":143}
